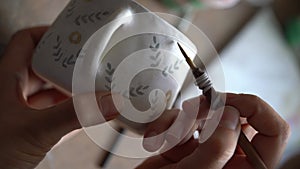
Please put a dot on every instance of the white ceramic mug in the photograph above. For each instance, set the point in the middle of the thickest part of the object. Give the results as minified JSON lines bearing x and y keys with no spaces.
{"x":113,"y":33}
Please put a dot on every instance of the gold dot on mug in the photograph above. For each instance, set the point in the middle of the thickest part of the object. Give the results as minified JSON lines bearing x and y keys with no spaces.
{"x":75,"y":37}
{"x":169,"y":95}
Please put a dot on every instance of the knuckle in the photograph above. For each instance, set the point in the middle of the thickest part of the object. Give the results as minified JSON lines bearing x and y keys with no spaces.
{"x":258,"y":102}
{"x":285,"y":131}
{"x":255,"y":98}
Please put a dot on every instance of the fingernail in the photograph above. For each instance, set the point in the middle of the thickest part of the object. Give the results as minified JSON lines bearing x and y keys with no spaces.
{"x":107,"y":104}
{"x":153,"y":141}
{"x":230,"y":119}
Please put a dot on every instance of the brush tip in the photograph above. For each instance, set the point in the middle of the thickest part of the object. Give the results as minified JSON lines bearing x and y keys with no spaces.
{"x":182,"y":51}
{"x":188,"y":60}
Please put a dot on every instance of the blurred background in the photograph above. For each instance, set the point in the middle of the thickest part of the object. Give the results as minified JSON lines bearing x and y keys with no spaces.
{"x":259,"y":46}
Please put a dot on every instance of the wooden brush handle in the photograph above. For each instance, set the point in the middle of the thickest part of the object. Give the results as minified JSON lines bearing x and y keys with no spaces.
{"x":252,"y":155}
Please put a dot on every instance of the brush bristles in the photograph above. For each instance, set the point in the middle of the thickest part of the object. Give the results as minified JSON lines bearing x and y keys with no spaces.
{"x":188,"y":60}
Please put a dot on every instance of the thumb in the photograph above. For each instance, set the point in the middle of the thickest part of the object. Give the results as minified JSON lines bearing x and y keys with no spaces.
{"x":219,"y":148}
{"x":61,"y":119}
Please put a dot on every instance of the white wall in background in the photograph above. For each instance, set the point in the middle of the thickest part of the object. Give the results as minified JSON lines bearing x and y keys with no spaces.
{"x":259,"y":62}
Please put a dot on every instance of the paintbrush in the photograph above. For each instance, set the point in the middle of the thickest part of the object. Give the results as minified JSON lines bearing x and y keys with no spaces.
{"x":213,"y":97}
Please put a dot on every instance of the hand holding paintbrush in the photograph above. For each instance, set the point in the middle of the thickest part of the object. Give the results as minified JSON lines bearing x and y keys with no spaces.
{"x":204,"y":83}
{"x":227,"y":147}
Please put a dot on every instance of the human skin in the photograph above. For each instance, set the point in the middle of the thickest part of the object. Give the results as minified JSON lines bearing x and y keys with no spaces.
{"x":33,"y":119}
{"x":261,"y":123}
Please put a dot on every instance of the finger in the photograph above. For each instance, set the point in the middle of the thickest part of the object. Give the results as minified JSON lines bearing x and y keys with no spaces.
{"x":46,"y":98}
{"x":243,"y":120}
{"x":273,"y":131}
{"x":199,"y":106}
{"x":177,"y":153}
{"x":249,"y":131}
{"x":258,"y":113}
{"x":183,"y":128}
{"x":219,"y":148}
{"x":19,"y":51}
{"x":238,"y":161}
{"x":193,"y":128}
{"x":196,"y":107}
{"x":13,"y":90}
{"x":59,"y":120}
{"x":172,"y":156}
{"x":153,"y":162}
{"x":34,"y":84}
{"x":154,"y":135}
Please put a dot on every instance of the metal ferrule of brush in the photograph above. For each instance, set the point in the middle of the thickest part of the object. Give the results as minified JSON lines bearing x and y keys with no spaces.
{"x":203,"y":82}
